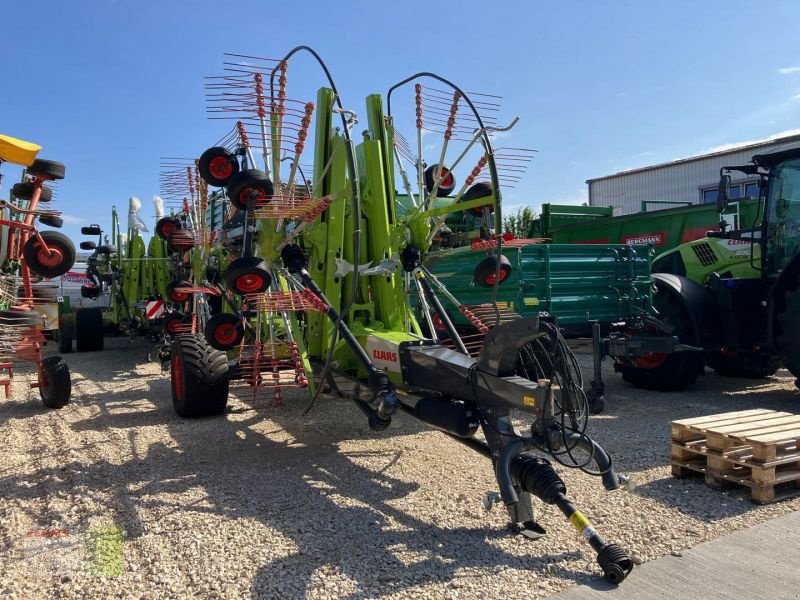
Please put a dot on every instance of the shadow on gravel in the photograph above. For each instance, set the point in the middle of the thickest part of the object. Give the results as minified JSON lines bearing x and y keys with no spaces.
{"x":336,"y":512}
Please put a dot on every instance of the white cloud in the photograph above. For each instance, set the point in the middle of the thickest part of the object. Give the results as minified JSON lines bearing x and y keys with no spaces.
{"x":70,"y":220}
{"x":789,"y":70}
{"x":732,"y":145}
{"x":796,"y":97}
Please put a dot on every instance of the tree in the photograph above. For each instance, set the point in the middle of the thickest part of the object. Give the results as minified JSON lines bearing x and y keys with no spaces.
{"x":519,"y":223}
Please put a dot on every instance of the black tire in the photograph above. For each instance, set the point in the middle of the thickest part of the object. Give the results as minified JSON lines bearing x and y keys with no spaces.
{"x":244,"y":182}
{"x":224,"y":331}
{"x":181,"y":240}
{"x":668,"y":372}
{"x":47,"y":169}
{"x":51,"y":221}
{"x":486,"y":271}
{"x":90,"y":291}
{"x":481,"y":189}
{"x":198,"y":378}
{"x":247,"y":275}
{"x":56,"y":384}
{"x":89,"y":335}
{"x":172,"y":322}
{"x":24,"y":191}
{"x":64,"y":339}
{"x":217,"y":166}
{"x":58,"y":263}
{"x":446,"y":186}
{"x":91,"y":230}
{"x":752,"y":367}
{"x":166,"y":226}
{"x":787,"y":327}
{"x":176,"y":296}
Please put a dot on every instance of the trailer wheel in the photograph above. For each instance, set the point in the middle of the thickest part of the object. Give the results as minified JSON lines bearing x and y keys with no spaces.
{"x":166,"y":226}
{"x":447,"y":184}
{"x":181,"y":240}
{"x":55,"y":385}
{"x":57,"y":262}
{"x":666,"y":372}
{"x":199,"y":378}
{"x":47,"y":169}
{"x":24,"y":191}
{"x":247,"y":275}
{"x":176,"y":295}
{"x":486,"y":271}
{"x":217,"y":166}
{"x":788,"y":324}
{"x":89,"y":332}
{"x":51,"y":221}
{"x":246,"y":182}
{"x":224,"y":331}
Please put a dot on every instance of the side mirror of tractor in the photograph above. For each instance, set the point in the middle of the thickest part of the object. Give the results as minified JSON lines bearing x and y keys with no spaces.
{"x":88,"y":245}
{"x":91,"y":230}
{"x":723,"y":192}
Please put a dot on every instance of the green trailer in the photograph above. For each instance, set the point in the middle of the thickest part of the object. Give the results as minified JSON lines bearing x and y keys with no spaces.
{"x":665,"y":229}
{"x":579,"y":283}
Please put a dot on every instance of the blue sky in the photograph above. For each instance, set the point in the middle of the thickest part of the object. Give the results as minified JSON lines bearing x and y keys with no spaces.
{"x":108,"y":87}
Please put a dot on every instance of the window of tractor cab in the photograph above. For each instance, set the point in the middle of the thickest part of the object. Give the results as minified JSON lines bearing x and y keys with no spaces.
{"x":670,"y":263}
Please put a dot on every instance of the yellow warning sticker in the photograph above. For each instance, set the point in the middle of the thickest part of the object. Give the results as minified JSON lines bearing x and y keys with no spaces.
{"x":579,"y":521}
{"x":531,"y":301}
{"x":529,"y":401}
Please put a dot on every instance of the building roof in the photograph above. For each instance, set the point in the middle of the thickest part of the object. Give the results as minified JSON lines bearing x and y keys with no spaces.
{"x":771,"y":141}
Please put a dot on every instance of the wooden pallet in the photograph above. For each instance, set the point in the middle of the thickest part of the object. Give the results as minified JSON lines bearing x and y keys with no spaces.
{"x":756,"y":448}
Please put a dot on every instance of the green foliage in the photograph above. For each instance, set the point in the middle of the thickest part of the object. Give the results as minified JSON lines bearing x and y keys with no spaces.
{"x":519,"y":223}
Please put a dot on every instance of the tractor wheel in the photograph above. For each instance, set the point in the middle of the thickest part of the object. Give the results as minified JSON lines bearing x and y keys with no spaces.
{"x":666,"y":372}
{"x":479,"y":190}
{"x":447,"y":184}
{"x":166,"y":226}
{"x":58,"y":262}
{"x":217,"y":166}
{"x":247,"y":275}
{"x":89,"y":332}
{"x":788,"y":325}
{"x":247,"y":182}
{"x":758,"y":367}
{"x":64,"y":339}
{"x":176,"y":295}
{"x":47,"y":169}
{"x":24,"y":191}
{"x":224,"y":331}
{"x":199,"y":378}
{"x":486,"y":271}
{"x":55,"y":384}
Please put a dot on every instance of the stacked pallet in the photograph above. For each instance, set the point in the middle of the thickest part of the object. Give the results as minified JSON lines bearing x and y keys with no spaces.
{"x":756,"y":448}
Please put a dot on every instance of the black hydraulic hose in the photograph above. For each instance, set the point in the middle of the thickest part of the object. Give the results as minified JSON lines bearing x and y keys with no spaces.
{"x":487,"y":144}
{"x":603,"y":461}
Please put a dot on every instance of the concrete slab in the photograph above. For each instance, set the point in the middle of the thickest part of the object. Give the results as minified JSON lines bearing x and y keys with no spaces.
{"x":760,"y":562}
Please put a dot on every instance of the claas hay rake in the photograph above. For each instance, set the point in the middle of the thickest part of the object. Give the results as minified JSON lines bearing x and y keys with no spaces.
{"x":316,"y":289}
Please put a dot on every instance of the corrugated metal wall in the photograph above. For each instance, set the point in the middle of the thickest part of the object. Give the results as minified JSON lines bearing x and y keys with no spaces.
{"x":676,"y":182}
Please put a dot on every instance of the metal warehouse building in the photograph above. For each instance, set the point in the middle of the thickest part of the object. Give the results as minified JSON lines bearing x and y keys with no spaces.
{"x":688,"y":180}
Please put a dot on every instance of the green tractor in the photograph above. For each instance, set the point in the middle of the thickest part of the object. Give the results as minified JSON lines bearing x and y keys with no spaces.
{"x":735,"y":292}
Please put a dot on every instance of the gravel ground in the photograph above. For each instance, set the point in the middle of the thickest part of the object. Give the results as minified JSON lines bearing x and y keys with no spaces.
{"x":269,"y":503}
